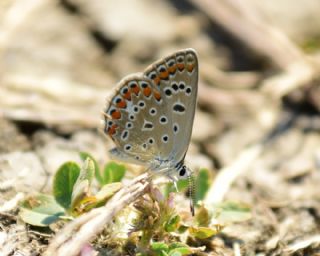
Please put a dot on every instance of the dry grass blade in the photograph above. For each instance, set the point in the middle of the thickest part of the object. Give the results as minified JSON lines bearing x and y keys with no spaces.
{"x":229,"y":174}
{"x":302,"y":244}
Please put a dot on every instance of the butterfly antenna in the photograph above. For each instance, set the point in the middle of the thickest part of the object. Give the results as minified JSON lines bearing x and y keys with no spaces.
{"x":191,"y":189}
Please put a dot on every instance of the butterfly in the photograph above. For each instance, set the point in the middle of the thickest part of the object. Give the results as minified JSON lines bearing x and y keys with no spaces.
{"x":149,"y":116}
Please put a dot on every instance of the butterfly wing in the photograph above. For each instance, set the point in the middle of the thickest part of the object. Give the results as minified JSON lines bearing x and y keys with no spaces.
{"x":176,"y":77}
{"x":149,"y":116}
{"x":130,"y":119}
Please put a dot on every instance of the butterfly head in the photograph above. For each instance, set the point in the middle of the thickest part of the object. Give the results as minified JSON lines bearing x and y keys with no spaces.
{"x":185,"y":172}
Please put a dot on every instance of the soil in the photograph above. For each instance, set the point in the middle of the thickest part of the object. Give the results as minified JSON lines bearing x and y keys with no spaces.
{"x":257,"y":119}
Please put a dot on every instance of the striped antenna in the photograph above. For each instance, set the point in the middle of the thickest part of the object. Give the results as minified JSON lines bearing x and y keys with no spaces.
{"x":191,"y":189}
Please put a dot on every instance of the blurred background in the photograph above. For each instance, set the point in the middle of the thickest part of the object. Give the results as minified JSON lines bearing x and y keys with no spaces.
{"x":257,"y":122}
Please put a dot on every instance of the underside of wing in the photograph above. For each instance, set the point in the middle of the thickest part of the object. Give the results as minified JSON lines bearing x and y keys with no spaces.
{"x":176,"y":77}
{"x":130,"y":119}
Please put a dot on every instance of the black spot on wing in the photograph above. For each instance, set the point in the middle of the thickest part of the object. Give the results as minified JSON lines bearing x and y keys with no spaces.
{"x":178,"y":107}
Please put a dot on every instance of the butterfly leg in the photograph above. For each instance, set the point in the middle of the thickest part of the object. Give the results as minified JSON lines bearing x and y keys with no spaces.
{"x":174,"y":181}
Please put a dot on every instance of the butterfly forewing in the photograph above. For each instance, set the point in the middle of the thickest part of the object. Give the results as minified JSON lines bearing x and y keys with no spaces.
{"x":176,"y":76}
{"x":150,"y":116}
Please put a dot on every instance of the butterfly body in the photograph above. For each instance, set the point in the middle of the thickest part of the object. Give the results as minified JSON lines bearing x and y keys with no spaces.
{"x":150,"y":115}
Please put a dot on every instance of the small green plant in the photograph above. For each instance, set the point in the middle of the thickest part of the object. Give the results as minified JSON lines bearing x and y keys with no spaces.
{"x":164,"y":231}
{"x":155,"y":225}
{"x":72,"y":193}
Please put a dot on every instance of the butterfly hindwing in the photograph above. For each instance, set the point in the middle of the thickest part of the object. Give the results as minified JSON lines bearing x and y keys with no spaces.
{"x":130,"y":119}
{"x":150,"y":115}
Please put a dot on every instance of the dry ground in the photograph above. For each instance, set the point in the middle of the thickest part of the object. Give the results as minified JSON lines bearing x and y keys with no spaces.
{"x":257,"y":122}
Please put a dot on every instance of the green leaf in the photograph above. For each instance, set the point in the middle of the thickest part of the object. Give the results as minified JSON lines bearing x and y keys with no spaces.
{"x":182,"y":229}
{"x":175,"y":253}
{"x":177,"y":245}
{"x":40,"y":210}
{"x":181,"y":185}
{"x":159,"y":246}
{"x":185,"y":250}
{"x":82,"y":186}
{"x":84,"y":156}
{"x":172,"y":224}
{"x":229,"y":212}
{"x":113,"y":172}
{"x":202,"y":217}
{"x":202,"y":184}
{"x":161,"y":253}
{"x":180,"y":248}
{"x":202,"y":232}
{"x":63,"y":183}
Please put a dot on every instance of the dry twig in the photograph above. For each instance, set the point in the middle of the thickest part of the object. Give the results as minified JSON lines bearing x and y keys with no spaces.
{"x":76,"y":234}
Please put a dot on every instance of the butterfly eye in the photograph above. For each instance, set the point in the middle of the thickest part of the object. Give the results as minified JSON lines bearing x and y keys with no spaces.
{"x":182,"y":171}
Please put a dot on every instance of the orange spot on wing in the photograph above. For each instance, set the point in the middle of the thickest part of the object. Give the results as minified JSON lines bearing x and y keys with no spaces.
{"x":164,"y":75}
{"x":172,"y":69}
{"x":122,"y":104}
{"x":190,"y":67}
{"x":127,"y":95}
{"x":157,"y":95}
{"x":135,"y":89}
{"x":112,"y":129}
{"x":157,"y":80}
{"x":147,"y":91}
{"x":116,"y":114}
{"x":180,"y":66}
